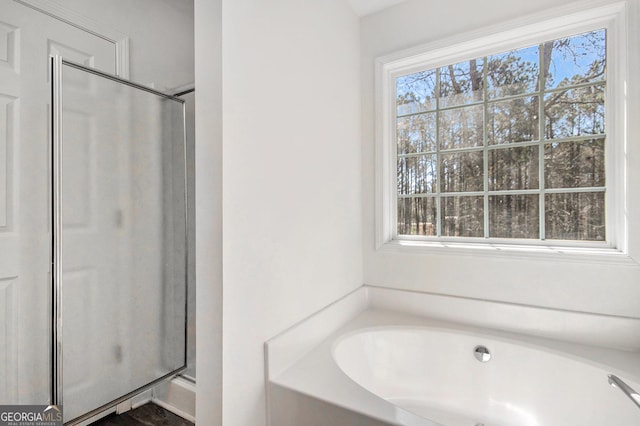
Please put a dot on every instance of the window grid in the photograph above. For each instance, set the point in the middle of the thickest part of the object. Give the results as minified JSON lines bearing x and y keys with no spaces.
{"x":542,"y":81}
{"x":541,"y":142}
{"x":485,"y":146}
{"x":501,"y":98}
{"x":439,"y":198}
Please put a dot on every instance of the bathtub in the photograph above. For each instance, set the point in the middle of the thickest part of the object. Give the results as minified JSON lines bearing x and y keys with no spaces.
{"x":372,"y":361}
{"x":436,"y":374}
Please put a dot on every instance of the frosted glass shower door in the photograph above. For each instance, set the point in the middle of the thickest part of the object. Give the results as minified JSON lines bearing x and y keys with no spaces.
{"x":120,"y":230}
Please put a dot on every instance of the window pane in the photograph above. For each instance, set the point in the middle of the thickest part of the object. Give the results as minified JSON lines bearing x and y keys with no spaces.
{"x":574,"y":112}
{"x":513,"y":73}
{"x":575,"y":216}
{"x":417,"y":216}
{"x":463,"y":217}
{"x":461,"y":83}
{"x":513,"y":168}
{"x":514,"y":216}
{"x":462,"y":171}
{"x":417,"y":133}
{"x":574,"y":164}
{"x":574,"y":60}
{"x":515,"y":120}
{"x":474,"y":126}
{"x":416,"y":92}
{"x":417,"y":175}
{"x":461,"y":127}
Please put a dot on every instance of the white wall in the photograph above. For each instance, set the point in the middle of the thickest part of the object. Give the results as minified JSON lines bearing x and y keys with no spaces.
{"x":161,"y":36}
{"x":208,"y":68}
{"x":582,"y":286}
{"x":291,"y":178}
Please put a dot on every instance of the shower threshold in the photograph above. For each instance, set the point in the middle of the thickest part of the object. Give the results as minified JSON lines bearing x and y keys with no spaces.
{"x":146,"y":414}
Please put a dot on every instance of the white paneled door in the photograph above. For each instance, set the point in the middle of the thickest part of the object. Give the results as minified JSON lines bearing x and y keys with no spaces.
{"x":27,"y":38}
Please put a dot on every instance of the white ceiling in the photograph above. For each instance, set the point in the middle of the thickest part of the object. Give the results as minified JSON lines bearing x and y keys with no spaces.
{"x":367,"y":7}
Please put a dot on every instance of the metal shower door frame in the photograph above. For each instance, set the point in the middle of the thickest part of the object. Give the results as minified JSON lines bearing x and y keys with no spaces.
{"x":56,"y":70}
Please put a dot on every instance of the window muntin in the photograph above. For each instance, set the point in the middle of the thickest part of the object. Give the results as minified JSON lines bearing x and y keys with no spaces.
{"x":470,"y":159}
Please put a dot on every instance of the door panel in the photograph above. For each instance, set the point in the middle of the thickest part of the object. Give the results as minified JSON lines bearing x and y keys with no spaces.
{"x":27,"y":37}
{"x":9,"y":107}
{"x":10,"y":275}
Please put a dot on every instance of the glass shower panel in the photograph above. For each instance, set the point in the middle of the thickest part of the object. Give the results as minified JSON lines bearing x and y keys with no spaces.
{"x":123,"y":239}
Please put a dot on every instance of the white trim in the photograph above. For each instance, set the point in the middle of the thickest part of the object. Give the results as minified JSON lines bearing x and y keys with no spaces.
{"x":178,"y":396}
{"x":552,"y":24}
{"x":532,"y":29}
{"x":603,"y":256}
{"x":617,"y":129}
{"x":122,"y":58}
{"x":64,"y":14}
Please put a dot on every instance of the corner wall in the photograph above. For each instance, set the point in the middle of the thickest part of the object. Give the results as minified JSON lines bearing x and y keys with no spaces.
{"x":208,"y":76}
{"x":577,"y":285}
{"x":291,"y":179}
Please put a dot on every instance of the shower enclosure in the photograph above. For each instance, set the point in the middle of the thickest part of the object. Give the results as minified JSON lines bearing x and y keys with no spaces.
{"x":119,"y":239}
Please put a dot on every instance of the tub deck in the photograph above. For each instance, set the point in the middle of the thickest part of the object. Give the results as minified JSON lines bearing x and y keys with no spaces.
{"x":305,"y":384}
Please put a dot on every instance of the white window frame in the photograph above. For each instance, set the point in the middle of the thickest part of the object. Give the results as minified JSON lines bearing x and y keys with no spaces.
{"x":551,"y":25}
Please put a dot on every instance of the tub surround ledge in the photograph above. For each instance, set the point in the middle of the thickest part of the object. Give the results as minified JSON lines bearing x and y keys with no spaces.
{"x":300,"y":367}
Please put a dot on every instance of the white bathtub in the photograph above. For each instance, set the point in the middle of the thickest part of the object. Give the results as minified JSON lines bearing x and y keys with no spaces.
{"x":434,"y":374}
{"x":380,"y":357}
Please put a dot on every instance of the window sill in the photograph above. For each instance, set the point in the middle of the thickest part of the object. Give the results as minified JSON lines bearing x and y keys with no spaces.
{"x":601,"y":255}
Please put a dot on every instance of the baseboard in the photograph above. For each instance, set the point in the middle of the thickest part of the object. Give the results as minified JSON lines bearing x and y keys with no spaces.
{"x":178,"y":396}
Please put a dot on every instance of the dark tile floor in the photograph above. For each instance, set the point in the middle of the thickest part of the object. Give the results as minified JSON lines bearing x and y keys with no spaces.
{"x":146,"y":415}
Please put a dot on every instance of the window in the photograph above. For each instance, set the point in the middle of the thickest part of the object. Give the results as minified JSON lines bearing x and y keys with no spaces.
{"x":487,"y":144}
{"x":505,"y":145}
